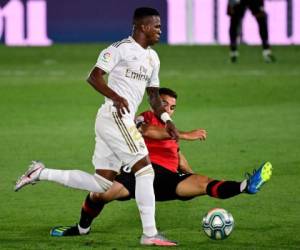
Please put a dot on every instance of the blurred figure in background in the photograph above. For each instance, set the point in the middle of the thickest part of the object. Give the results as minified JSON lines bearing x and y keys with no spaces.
{"x":236,"y":10}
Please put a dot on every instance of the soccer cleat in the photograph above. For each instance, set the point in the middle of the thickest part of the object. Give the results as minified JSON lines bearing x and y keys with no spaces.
{"x":268,"y":56}
{"x":62,"y":231}
{"x":157,"y":240}
{"x":259,"y":177}
{"x":233,"y":55}
{"x":31,"y":176}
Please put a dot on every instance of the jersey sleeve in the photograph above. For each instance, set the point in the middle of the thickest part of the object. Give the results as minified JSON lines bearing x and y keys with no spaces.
{"x":108,"y":59}
{"x":154,"y":79}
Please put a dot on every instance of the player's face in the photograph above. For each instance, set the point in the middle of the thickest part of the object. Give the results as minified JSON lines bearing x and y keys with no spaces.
{"x":152,"y":29}
{"x":169,"y":103}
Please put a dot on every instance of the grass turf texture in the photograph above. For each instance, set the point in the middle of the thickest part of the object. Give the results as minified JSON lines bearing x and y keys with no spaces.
{"x":251,"y":111}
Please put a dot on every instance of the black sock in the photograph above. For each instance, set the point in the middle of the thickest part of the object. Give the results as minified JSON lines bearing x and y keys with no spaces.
{"x":223,"y":189}
{"x":89,"y":211}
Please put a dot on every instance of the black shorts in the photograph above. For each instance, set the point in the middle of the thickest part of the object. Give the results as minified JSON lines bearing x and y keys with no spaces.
{"x":165,"y":183}
{"x":238,"y":9}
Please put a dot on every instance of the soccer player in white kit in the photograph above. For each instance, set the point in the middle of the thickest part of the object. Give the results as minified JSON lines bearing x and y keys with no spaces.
{"x":132,"y":67}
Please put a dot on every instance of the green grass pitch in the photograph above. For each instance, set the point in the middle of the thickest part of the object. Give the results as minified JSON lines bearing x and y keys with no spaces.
{"x":251,"y":111}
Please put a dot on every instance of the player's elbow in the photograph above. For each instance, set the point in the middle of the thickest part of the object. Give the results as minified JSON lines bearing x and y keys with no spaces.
{"x":89,"y":79}
{"x":92,"y":77}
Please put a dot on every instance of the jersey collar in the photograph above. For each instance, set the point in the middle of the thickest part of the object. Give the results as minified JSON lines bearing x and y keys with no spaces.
{"x":131,"y":39}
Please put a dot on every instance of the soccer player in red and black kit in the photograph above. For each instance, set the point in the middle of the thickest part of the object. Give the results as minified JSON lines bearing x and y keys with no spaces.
{"x":236,"y":11}
{"x":174,"y":178}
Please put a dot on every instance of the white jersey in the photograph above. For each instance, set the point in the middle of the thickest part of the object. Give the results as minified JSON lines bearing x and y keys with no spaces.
{"x":131,"y":69}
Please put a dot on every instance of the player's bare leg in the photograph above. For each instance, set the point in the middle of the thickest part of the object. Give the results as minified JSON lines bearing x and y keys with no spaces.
{"x":192,"y":186}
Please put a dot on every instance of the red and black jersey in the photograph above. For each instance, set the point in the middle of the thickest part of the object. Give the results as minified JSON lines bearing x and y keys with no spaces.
{"x":161,"y":152}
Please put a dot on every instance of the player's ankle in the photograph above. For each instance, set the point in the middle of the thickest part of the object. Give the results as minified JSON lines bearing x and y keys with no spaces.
{"x":83,"y":230}
{"x":243,"y":185}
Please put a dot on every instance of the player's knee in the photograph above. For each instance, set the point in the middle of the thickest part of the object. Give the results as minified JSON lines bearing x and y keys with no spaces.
{"x":140,"y":162}
{"x":103,"y":183}
{"x":95,"y":197}
{"x":200,"y":181}
{"x":104,"y":197}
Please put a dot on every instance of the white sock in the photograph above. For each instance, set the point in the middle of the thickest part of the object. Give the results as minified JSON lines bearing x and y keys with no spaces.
{"x":243,"y":185}
{"x":83,"y":230}
{"x":76,"y":179}
{"x":145,"y":199}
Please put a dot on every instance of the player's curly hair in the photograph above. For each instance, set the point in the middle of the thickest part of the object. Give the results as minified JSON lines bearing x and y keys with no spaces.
{"x":142,"y":12}
{"x":167,"y":91}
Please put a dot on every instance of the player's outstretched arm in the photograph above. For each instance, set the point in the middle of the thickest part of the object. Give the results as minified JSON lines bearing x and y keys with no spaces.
{"x":157,"y":106}
{"x":154,"y":132}
{"x":196,"y":134}
{"x":96,"y":79}
{"x":159,"y":133}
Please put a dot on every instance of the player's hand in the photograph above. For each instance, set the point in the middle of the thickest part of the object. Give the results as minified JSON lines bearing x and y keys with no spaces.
{"x":172,"y":130}
{"x":121,"y":105}
{"x":197,"y":134}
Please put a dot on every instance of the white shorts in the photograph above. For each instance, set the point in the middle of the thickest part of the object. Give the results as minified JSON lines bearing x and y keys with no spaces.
{"x":118,"y":142}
